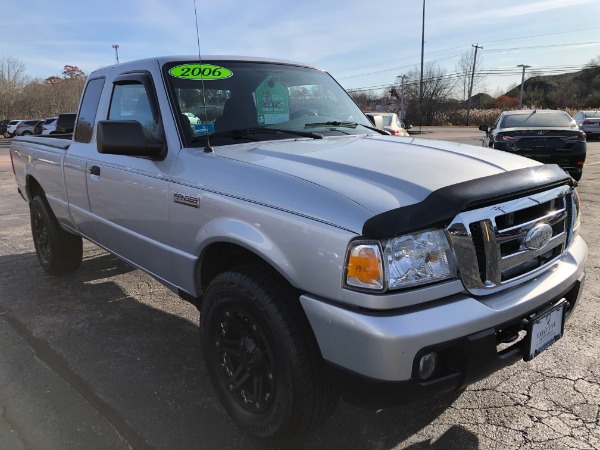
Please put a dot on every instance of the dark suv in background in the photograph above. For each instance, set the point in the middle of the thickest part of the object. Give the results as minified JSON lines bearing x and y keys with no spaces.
{"x":548,"y":136}
{"x":3,"y":125}
{"x":65,"y":123}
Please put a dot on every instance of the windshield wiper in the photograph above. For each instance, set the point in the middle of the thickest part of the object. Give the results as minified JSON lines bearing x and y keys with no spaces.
{"x":246,"y":133}
{"x":343,"y":125}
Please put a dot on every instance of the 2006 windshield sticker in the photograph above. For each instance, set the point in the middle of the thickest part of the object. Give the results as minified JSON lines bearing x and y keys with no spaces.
{"x":200,"y":72}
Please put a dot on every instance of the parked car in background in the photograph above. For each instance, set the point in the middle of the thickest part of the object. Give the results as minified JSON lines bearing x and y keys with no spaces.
{"x":38,"y":127}
{"x":3,"y":125}
{"x":548,"y":136}
{"x":10,"y":128}
{"x":49,"y":125}
{"x":192,"y":118}
{"x":390,"y":123}
{"x":588,"y":122}
{"x":26,"y":127}
{"x":65,"y":123}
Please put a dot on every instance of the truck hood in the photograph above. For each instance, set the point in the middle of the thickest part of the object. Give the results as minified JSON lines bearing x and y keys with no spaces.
{"x":377,"y":173}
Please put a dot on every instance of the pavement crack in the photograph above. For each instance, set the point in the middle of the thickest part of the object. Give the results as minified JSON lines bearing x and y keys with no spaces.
{"x":59,"y":366}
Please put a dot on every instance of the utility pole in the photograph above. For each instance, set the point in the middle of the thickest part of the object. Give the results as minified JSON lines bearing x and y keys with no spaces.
{"x":402,"y":100}
{"x":116,"y":47}
{"x":421,"y":84}
{"x":522,"y":84}
{"x":471,"y":85}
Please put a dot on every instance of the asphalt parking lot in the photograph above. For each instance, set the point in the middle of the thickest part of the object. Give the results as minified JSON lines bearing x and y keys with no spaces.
{"x":108,"y":358}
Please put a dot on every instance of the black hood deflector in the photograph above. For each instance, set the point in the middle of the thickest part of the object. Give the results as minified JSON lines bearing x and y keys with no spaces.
{"x":441,"y":206}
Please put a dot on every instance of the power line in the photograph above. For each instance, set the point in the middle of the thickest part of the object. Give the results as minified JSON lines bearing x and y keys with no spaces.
{"x":487,"y":43}
{"x":540,"y":35}
{"x":395,"y":69}
{"x":502,"y":71}
{"x":572,"y":44}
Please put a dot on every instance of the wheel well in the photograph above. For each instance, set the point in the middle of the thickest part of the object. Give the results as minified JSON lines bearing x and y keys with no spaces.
{"x":34,"y":188}
{"x":221,"y":256}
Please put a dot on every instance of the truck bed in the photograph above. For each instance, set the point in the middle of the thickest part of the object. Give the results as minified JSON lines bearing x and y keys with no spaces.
{"x":60,"y":141}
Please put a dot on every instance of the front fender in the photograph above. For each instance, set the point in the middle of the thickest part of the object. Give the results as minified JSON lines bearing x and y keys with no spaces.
{"x":250,"y":237}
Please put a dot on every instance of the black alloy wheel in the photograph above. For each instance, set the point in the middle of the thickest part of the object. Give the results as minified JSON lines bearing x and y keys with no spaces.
{"x":247,"y":365}
{"x":262,"y":357}
{"x":39,"y":230}
{"x":59,"y":252}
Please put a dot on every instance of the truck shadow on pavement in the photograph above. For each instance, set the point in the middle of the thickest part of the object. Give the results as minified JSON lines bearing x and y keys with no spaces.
{"x":131,"y":349}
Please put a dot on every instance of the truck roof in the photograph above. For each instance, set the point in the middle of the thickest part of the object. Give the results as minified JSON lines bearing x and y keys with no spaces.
{"x":162,"y":60}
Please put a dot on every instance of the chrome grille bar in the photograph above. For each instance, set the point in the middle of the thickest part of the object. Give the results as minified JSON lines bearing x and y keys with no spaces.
{"x":492,"y":246}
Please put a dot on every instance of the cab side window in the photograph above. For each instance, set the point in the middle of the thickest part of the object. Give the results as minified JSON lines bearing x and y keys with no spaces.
{"x":131,"y":102}
{"x":87,"y":112}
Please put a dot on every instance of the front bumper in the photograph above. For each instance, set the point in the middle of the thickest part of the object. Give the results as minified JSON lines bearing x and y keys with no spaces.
{"x":374,"y":356}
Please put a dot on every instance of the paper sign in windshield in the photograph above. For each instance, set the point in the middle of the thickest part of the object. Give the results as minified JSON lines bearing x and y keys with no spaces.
{"x":200,"y":72}
{"x":272,"y":102}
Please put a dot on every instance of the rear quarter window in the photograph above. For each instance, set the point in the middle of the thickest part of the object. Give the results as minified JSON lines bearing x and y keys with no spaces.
{"x":87,"y":112}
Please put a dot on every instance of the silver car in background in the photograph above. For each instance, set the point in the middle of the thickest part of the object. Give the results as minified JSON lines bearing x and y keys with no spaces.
{"x":26,"y":127}
{"x":49,"y":125}
{"x":11,"y":128}
{"x":588,"y":122}
{"x":389,"y":122}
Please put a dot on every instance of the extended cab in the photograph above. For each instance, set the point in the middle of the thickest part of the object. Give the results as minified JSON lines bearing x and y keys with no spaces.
{"x":326,"y":258}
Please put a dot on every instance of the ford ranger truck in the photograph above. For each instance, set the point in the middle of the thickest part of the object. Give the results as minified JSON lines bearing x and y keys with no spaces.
{"x":328,"y":258}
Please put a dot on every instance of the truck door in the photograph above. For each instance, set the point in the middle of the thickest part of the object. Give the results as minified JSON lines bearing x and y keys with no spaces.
{"x":128,"y":194}
{"x":75,"y":162}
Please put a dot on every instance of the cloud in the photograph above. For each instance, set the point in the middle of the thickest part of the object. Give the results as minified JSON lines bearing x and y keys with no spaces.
{"x":536,"y":7}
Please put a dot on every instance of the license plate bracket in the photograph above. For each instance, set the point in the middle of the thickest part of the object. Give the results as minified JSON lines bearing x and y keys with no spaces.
{"x":545,"y":329}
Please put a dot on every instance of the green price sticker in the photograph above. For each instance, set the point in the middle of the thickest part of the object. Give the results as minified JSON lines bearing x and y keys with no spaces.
{"x":200,"y":72}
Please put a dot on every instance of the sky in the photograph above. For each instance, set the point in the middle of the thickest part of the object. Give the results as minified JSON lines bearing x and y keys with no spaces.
{"x":363,"y":44}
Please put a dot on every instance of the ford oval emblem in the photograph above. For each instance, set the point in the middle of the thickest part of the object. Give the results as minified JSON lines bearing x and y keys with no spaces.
{"x":538,"y":236}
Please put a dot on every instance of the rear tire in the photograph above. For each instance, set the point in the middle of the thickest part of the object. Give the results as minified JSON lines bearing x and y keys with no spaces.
{"x":58,"y":251}
{"x":26,"y":133}
{"x":262,"y":357}
{"x":576,"y":176}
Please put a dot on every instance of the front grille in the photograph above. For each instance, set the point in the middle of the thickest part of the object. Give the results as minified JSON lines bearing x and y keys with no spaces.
{"x":501,"y":245}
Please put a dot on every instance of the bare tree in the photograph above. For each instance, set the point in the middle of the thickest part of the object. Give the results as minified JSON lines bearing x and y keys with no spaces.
{"x":464,"y":69}
{"x":364,"y":99}
{"x":12,"y":82}
{"x":437,"y":90}
{"x":21,"y":97}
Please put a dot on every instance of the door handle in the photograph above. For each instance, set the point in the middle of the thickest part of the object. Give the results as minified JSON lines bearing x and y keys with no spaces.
{"x":95,"y":170}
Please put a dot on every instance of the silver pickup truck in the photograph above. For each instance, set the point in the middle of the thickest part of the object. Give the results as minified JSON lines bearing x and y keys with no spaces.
{"x":327,"y":257}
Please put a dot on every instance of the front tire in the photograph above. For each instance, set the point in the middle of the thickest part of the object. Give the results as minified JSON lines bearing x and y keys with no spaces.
{"x":262,"y":357}
{"x":58,"y":251}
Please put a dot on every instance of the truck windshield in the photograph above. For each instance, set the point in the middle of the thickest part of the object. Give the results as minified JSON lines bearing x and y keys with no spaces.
{"x":222,"y":99}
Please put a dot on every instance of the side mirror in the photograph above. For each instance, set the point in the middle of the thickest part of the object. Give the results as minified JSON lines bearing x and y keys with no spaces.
{"x":484,"y":128}
{"x":126,"y":137}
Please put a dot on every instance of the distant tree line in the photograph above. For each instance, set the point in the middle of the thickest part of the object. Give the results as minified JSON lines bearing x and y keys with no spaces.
{"x":442,"y":100}
{"x":23,"y":97}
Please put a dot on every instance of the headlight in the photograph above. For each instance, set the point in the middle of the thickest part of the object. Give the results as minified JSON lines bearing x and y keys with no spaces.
{"x":418,"y":258}
{"x":409,"y":260}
